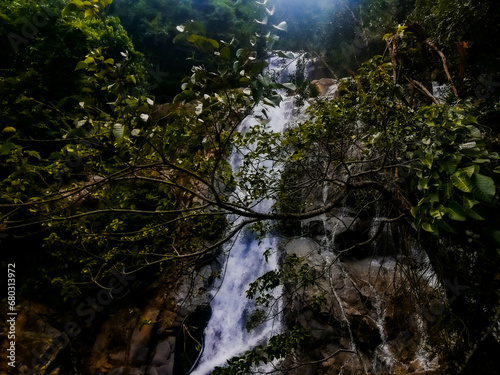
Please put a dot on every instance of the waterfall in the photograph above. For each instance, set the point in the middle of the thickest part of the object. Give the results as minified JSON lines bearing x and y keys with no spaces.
{"x":360,"y":288}
{"x":226,"y":335}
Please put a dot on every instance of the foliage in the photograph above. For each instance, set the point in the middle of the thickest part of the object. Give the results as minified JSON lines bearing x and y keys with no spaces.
{"x":152,"y":26}
{"x":39,"y":81}
{"x":277,"y":348}
{"x":294,"y":270}
{"x":95,"y":195}
{"x":454,"y":171}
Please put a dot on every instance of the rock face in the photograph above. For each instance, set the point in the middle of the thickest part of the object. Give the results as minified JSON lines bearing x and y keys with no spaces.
{"x":127,"y":340}
{"x":326,"y":86}
{"x":359,"y":311}
{"x":35,"y":335}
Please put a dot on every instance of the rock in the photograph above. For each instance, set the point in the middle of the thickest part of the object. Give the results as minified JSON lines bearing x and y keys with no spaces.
{"x":118,"y":356}
{"x":326,"y":86}
{"x":305,"y":248}
{"x":316,"y":228}
{"x":167,"y":369}
{"x":163,"y":352}
{"x":338,"y":225}
{"x":141,"y":337}
{"x":117,"y":371}
{"x":38,"y":342}
{"x":364,"y":301}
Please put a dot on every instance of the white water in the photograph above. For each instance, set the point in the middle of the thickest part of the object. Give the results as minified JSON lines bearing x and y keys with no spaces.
{"x":225,"y":334}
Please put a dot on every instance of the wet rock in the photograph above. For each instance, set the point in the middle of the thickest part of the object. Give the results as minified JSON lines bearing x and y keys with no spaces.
{"x":163,"y":351}
{"x":326,"y":86}
{"x":316,"y":228}
{"x":304,"y":248}
{"x":364,"y":302}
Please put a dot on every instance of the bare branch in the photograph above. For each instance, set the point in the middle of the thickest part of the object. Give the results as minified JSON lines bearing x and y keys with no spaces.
{"x":422,"y":88}
{"x":445,"y":66}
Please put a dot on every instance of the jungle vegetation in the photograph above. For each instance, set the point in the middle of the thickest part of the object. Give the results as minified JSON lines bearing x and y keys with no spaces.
{"x":117,"y":116}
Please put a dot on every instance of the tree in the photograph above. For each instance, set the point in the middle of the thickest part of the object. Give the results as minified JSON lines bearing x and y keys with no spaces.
{"x":152,"y":26}
{"x":118,"y":148}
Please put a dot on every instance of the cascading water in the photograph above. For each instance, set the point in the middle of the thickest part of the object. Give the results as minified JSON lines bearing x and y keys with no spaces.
{"x":352,"y":283}
{"x":226,"y":335}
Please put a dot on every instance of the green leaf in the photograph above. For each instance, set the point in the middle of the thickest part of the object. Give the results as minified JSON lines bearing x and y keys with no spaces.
{"x":273,"y":101}
{"x":468,"y":202}
{"x":225,"y":53}
{"x":495,"y":235}
{"x":6,"y":148}
{"x":5,"y":18}
{"x":90,"y":13}
{"x":205,"y":44}
{"x":135,"y":251}
{"x":423,"y":184}
{"x":447,"y":189}
{"x":288,"y":55}
{"x":180,"y":38}
{"x":428,"y":227}
{"x":429,"y":158}
{"x":433,"y":196}
{"x":131,"y":78}
{"x":240,"y":52}
{"x":288,"y":85}
{"x":81,"y":65}
{"x":34,"y":154}
{"x":471,"y":170}
{"x":455,"y":211}
{"x":186,"y":95}
{"x":462,"y":181}
{"x":401,"y":28}
{"x":438,"y":213}
{"x":472,"y":214}
{"x":449,"y":165}
{"x":9,"y":129}
{"x":444,"y":225}
{"x":474,"y":132}
{"x":481,"y":161}
{"x":72,"y":7}
{"x":486,"y":186}
{"x":264,"y":79}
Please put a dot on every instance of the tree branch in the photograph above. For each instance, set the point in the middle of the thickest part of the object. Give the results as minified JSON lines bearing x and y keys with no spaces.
{"x":445,"y":66}
{"x":422,"y":88}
